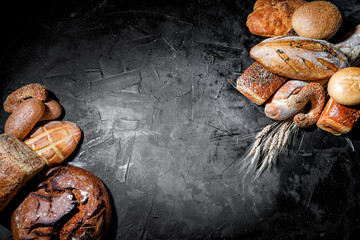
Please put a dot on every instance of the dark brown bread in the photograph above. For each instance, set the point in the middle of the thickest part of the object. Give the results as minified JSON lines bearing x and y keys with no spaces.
{"x":24,"y":118}
{"x":18,"y":164}
{"x":52,"y":110}
{"x":258,"y":84}
{"x":300,"y":58}
{"x":70,"y":203}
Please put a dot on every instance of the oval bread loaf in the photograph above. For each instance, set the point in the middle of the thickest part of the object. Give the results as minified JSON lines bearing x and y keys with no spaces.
{"x":24,"y":118}
{"x":54,"y":141}
{"x":300,"y":58}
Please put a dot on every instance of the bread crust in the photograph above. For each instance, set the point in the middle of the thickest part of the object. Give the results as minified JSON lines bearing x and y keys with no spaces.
{"x":272,"y":18}
{"x":258,"y":84}
{"x":24,"y":118}
{"x":317,"y":19}
{"x":338,"y":119}
{"x":300,"y":58}
{"x":69,"y":203}
{"x":18,"y":164}
{"x":54,"y":141}
{"x":34,"y":90}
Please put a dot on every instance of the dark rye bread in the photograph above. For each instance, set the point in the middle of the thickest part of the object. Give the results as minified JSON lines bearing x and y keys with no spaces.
{"x":69,"y":203}
{"x":18,"y":164}
{"x":300,"y":58}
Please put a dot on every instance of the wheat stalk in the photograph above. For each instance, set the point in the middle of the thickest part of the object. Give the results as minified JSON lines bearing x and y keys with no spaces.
{"x":268,"y":144}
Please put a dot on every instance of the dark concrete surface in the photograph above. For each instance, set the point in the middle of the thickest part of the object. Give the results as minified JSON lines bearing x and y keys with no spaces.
{"x":149,"y":84}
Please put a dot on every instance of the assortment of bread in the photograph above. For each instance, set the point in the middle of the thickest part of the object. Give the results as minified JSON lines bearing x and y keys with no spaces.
{"x":71,"y":203}
{"x":300,"y":61}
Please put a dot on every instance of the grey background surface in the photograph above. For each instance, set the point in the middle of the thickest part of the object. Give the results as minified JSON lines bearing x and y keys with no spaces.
{"x":149,"y":84}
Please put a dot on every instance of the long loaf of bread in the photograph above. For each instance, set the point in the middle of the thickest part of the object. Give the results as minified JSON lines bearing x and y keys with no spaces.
{"x":258,"y":84}
{"x":18,"y":164}
{"x":338,"y":119}
{"x":300,"y":58}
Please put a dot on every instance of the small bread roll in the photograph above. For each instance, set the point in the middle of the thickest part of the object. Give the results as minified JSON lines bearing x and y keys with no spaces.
{"x":344,"y":86}
{"x":317,"y":20}
{"x":24,"y":117}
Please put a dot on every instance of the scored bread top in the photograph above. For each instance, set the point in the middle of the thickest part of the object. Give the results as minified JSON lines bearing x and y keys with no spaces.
{"x":54,"y":141}
{"x":300,"y":58}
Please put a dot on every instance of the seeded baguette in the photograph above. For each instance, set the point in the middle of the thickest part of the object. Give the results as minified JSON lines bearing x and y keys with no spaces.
{"x":300,"y":58}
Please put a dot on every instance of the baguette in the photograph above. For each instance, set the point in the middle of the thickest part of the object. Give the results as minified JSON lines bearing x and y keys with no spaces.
{"x":18,"y":164}
{"x":300,"y":58}
{"x":258,"y":84}
{"x":338,"y":119}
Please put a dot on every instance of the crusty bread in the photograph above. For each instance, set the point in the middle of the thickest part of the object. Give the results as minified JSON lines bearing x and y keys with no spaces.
{"x":300,"y":58}
{"x":69,"y":203}
{"x":18,"y":164}
{"x":52,"y":110}
{"x":317,"y":19}
{"x":24,"y":118}
{"x":35,"y":90}
{"x":344,"y":86}
{"x":258,"y":84}
{"x":272,"y":18}
{"x":337,"y":119}
{"x":54,"y":141}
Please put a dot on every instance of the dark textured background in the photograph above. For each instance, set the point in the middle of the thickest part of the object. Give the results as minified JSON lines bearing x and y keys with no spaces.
{"x":149,"y":83}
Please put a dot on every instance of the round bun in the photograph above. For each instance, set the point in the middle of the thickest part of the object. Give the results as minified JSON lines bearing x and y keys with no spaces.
{"x":69,"y":203}
{"x":344,"y":86}
{"x":317,"y":20}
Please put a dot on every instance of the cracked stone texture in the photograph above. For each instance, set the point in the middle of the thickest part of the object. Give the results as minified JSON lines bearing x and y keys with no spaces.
{"x":151,"y":85}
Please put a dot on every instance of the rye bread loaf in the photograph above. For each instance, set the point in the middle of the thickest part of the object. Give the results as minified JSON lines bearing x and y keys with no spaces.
{"x":69,"y":203}
{"x":18,"y":164}
{"x":300,"y":58}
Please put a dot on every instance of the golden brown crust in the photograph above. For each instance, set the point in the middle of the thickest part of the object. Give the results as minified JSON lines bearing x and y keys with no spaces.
{"x":317,"y":19}
{"x":24,"y":118}
{"x":272,"y":18}
{"x":300,"y":58}
{"x":69,"y":203}
{"x":52,"y":110}
{"x":338,"y":119}
{"x":35,"y":90}
{"x":18,"y":164}
{"x":54,"y":141}
{"x":258,"y":84}
{"x":314,"y":93}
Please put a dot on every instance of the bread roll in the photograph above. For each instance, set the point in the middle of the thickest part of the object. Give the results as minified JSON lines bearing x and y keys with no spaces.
{"x":54,"y":141}
{"x":24,"y":118}
{"x":69,"y":203}
{"x":338,"y":119}
{"x":317,"y":19}
{"x":344,"y":86}
{"x":300,"y":58}
{"x":52,"y":110}
{"x":18,"y":164}
{"x":258,"y":84}
{"x":272,"y":18}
